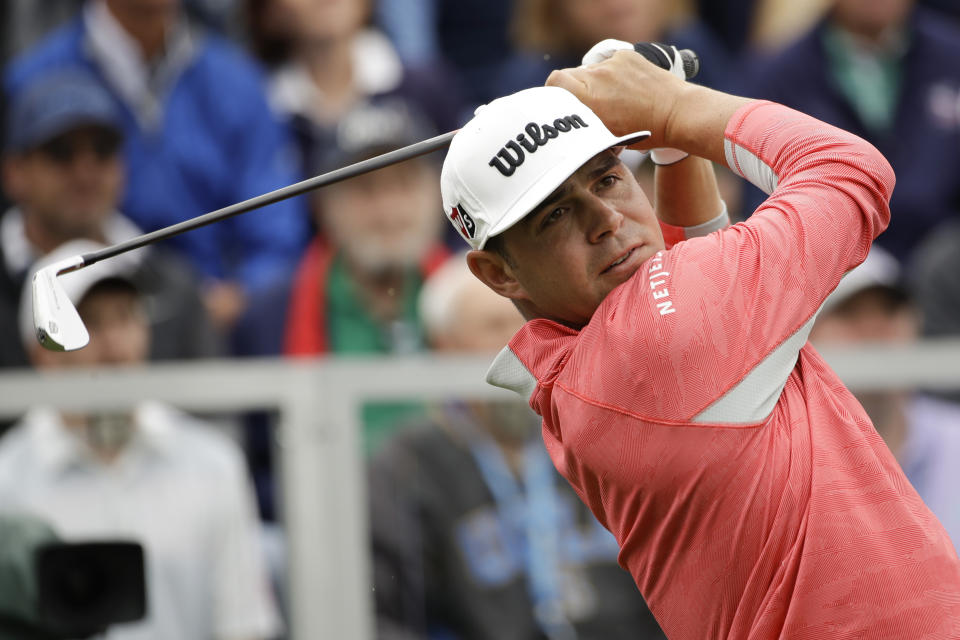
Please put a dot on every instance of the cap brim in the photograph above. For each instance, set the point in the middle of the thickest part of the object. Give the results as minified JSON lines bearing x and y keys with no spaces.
{"x":552,"y":178}
{"x":60,"y":124}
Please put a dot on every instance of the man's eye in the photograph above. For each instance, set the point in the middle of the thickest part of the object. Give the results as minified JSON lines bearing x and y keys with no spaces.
{"x":552,"y":217}
{"x":609,"y":179}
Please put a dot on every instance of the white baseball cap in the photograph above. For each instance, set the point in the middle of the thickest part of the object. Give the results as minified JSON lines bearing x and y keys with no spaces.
{"x":514,"y":153}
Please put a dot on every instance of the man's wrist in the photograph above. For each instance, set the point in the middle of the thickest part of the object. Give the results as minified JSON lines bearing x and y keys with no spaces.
{"x":673,"y":233}
{"x":696,"y":120}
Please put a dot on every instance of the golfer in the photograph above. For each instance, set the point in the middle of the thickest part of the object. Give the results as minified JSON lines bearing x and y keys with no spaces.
{"x":749,"y":493}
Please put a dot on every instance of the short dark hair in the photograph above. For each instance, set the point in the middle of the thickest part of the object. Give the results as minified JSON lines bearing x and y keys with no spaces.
{"x":497,"y":245}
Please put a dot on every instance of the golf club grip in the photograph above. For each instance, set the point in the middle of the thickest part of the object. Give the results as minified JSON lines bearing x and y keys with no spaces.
{"x":404,"y":153}
{"x":653,"y":52}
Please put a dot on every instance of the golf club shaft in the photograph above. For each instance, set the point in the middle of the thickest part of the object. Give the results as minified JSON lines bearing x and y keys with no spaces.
{"x":691,"y":67}
{"x":405,"y":153}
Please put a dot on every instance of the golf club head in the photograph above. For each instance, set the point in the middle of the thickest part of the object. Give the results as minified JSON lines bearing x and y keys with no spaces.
{"x":55,"y":319}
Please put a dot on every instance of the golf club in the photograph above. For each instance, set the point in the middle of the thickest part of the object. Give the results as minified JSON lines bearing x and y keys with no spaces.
{"x":55,"y":318}
{"x":56,"y":322}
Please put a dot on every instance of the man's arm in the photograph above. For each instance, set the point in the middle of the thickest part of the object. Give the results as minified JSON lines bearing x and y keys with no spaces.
{"x":687,"y":200}
{"x":738,"y":303}
{"x":686,"y":193}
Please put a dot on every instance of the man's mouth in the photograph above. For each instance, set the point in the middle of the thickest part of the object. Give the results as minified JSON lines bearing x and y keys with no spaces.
{"x":619,"y":261}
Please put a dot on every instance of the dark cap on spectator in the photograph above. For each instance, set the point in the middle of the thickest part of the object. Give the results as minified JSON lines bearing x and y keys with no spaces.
{"x":372,"y":128}
{"x":56,"y":103}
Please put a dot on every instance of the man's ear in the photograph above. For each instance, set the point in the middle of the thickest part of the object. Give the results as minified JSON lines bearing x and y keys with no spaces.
{"x":493,"y":270}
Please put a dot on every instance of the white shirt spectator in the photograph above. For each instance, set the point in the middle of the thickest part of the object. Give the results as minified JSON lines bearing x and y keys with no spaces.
{"x":929,"y":458}
{"x":177,"y":487}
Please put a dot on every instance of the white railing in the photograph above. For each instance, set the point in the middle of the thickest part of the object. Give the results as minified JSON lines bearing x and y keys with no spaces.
{"x":322,"y":480}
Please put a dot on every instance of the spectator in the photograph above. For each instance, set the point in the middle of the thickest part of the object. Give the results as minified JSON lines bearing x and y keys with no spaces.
{"x":198,"y":136}
{"x":475,"y":534}
{"x":567,"y":29}
{"x":356,"y":287}
{"x":26,"y":21}
{"x":934,"y":281}
{"x":327,"y":61}
{"x":879,"y":71}
{"x":731,"y":21}
{"x":472,"y":36}
{"x":871,"y":305}
{"x":934,"y":278}
{"x":153,"y":474}
{"x":63,"y":169}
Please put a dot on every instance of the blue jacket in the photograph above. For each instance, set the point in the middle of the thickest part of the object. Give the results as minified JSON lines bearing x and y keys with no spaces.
{"x":218,"y":144}
{"x":923,"y":144}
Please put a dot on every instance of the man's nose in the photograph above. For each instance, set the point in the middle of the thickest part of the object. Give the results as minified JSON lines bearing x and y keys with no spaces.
{"x":602,"y":220}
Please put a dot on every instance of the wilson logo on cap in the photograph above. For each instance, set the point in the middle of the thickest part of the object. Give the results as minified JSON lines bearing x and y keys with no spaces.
{"x":464,"y":223}
{"x":506,"y":162}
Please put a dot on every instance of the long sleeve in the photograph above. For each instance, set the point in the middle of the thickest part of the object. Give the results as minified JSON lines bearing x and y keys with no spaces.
{"x":726,"y":314}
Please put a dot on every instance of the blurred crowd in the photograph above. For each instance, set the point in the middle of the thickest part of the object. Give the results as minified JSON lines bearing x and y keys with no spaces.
{"x":126,"y":116}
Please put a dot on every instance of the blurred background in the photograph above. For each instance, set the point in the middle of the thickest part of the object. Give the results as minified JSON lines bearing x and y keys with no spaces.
{"x":279,"y":428}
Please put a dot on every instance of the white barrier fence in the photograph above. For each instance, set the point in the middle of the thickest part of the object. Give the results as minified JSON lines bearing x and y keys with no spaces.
{"x":322,"y":480}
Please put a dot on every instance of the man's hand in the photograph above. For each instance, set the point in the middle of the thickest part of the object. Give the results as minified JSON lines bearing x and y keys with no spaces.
{"x":652,"y":51}
{"x":627,"y":92}
{"x":631,"y":94}
{"x":603,"y":50}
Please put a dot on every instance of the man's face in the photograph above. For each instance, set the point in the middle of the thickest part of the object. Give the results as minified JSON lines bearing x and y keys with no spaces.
{"x":69,"y":184}
{"x":632,"y":20}
{"x":871,"y":17}
{"x":385,"y":219}
{"x":872,"y":315}
{"x":323,"y":20}
{"x":585,"y":239}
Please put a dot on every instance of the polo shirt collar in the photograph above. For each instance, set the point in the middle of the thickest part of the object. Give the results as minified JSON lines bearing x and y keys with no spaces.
{"x":59,"y":448}
{"x":142,"y":84}
{"x":18,"y":254}
{"x":533,"y":358}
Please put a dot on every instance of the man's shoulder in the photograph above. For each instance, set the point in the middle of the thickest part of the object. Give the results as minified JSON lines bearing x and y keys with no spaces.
{"x":225,"y":63}
{"x":425,"y":445}
{"x":534,"y":357}
{"x":17,"y":454}
{"x":193,"y":443}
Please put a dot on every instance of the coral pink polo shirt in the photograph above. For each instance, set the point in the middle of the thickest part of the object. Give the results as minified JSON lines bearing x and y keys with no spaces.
{"x":750,"y":495}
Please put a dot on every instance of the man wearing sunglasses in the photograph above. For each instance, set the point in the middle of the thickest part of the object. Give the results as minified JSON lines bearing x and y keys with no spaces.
{"x":64,"y":172}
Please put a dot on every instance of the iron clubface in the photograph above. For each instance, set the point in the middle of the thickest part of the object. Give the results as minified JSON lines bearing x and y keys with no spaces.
{"x":55,"y":319}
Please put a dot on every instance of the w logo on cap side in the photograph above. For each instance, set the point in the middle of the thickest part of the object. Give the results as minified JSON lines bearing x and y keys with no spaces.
{"x":464,"y":223}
